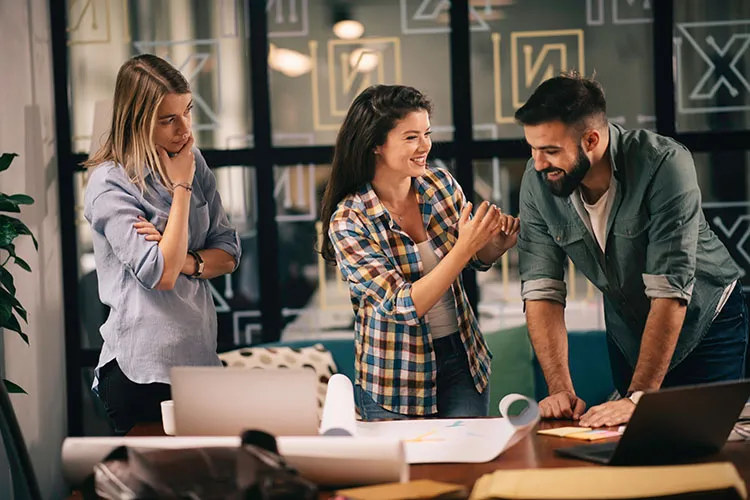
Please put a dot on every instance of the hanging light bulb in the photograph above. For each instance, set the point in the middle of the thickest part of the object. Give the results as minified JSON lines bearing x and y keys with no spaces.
{"x":344,"y":24}
{"x":289,"y":62}
{"x":348,"y":29}
{"x":364,"y":60}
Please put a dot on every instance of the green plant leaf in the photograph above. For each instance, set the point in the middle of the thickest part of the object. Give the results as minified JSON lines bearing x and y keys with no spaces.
{"x":7,"y":298}
{"x":6,"y":279}
{"x":10,"y":248}
{"x":12,"y":324}
{"x":8,"y":205}
{"x":8,"y":232}
{"x":21,"y":229}
{"x":5,"y":160}
{"x":22,"y":313}
{"x":13,"y":388}
{"x":21,"y":199}
{"x":5,"y":311}
{"x":22,"y":264}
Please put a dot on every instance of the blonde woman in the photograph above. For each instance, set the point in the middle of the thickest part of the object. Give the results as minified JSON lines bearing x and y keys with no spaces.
{"x":159,"y":232}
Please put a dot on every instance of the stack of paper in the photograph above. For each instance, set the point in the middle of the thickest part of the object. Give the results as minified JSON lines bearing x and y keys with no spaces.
{"x":715,"y":480}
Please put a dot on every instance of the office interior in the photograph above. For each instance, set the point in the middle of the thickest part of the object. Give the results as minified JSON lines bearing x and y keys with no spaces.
{"x":271,"y":82}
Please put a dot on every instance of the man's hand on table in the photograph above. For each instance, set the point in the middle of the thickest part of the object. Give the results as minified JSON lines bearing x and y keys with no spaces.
{"x":608,"y":414}
{"x":562,"y":405}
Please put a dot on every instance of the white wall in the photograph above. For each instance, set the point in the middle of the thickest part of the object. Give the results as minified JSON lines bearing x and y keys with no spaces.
{"x":27,"y":128}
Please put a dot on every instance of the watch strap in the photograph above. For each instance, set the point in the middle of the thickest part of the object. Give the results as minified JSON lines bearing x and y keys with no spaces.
{"x":199,"y":263}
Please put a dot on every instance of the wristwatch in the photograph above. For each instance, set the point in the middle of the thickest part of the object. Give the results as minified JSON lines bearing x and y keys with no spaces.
{"x":199,"y":264}
{"x":634,"y":396}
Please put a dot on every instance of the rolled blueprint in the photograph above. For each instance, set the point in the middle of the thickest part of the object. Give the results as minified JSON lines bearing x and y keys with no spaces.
{"x":338,"y":412}
{"x":327,"y":461}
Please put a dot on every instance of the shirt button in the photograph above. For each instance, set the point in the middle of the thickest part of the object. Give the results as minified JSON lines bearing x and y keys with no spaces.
{"x":558,"y":238}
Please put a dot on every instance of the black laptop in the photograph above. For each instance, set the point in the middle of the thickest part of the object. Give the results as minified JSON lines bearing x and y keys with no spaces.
{"x":672,"y":426}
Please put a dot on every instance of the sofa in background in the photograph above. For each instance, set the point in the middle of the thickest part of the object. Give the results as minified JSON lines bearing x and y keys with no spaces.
{"x":515,"y":369}
{"x":589,"y":368}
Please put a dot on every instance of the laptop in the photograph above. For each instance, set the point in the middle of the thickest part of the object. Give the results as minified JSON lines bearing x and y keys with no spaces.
{"x":219,"y":401}
{"x":672,"y":426}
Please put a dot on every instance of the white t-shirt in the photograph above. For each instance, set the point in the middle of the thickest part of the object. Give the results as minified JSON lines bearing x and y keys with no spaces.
{"x":598,"y":215}
{"x":442,"y":317}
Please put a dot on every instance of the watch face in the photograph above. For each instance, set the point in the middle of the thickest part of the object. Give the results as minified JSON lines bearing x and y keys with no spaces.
{"x":636,"y":396}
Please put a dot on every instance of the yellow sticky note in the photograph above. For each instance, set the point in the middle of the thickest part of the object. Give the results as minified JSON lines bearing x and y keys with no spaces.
{"x":564,"y":431}
{"x":593,"y":435}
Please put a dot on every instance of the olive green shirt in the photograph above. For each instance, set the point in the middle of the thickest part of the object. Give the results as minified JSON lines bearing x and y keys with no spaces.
{"x":658,"y":243}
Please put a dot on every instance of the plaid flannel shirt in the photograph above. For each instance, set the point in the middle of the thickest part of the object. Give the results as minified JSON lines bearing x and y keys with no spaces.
{"x":394,"y":358}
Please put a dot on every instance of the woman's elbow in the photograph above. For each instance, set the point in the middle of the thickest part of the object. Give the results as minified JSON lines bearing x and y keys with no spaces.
{"x":167,"y":280}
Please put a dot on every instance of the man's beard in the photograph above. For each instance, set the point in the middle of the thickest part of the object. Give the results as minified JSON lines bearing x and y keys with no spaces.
{"x":569,"y":181}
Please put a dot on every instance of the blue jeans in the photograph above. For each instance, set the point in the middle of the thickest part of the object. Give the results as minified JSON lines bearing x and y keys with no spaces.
{"x":457,"y":397}
{"x":720,"y":356}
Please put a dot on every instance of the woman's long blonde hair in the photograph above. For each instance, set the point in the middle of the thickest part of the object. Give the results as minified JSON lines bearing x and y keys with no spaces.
{"x":141,"y":85}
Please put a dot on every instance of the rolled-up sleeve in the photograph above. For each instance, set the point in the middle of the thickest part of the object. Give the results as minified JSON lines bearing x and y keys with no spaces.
{"x":674,"y":205}
{"x":371,"y":276}
{"x":221,"y":234}
{"x":540,"y":259}
{"x":113,"y":214}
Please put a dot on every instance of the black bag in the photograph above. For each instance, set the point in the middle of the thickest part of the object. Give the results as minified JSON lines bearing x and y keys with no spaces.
{"x":253,"y":471}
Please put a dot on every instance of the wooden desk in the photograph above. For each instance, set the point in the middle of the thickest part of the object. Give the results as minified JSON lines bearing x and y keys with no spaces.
{"x":533,"y":452}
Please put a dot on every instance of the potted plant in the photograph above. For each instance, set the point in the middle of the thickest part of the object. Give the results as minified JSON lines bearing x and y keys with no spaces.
{"x":11,"y":228}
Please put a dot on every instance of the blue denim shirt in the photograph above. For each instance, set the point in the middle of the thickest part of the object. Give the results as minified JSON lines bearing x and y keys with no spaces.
{"x":150,"y":330}
{"x":658,"y":243}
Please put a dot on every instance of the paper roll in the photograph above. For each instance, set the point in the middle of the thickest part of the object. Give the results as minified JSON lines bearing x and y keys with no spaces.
{"x":528,"y":416}
{"x":338,"y":412}
{"x":327,"y":461}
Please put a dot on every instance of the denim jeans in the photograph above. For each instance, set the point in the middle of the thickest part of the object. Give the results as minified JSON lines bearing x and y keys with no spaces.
{"x":457,"y":397}
{"x":720,"y":356}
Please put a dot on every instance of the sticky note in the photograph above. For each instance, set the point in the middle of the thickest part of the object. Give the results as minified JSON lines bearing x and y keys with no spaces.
{"x":564,"y":431}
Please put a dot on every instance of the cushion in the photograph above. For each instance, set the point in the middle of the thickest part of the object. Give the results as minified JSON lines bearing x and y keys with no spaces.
{"x":315,"y":357}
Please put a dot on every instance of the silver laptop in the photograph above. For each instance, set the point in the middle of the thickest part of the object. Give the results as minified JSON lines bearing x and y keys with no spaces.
{"x":218,"y":401}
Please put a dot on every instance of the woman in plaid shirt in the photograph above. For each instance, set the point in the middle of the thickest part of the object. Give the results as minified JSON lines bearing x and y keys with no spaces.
{"x":401,"y":232}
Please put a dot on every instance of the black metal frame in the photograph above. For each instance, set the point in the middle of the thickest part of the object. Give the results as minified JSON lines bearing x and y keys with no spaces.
{"x":264,"y":155}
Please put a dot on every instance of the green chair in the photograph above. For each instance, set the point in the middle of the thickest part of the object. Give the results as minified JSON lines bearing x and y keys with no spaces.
{"x":512,"y":369}
{"x":589,"y":368}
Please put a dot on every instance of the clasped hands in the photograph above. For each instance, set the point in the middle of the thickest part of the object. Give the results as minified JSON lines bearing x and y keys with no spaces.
{"x":567,"y":405}
{"x":488,"y":225}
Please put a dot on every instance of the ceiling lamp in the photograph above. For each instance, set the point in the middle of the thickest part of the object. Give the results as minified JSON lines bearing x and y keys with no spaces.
{"x":344,"y":25}
{"x":364,"y":60}
{"x":289,"y":62}
{"x":348,"y":29}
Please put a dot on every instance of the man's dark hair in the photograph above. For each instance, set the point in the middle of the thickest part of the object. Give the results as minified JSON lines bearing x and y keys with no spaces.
{"x":569,"y":98}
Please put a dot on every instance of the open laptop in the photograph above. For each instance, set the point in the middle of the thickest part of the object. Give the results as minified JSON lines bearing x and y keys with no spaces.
{"x":672,"y":425}
{"x":218,"y":401}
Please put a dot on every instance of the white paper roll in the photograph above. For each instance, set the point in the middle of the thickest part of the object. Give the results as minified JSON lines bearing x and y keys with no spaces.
{"x":338,"y":412}
{"x":327,"y":461}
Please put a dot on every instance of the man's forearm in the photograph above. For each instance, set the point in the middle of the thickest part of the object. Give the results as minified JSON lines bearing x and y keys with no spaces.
{"x":489,"y":253}
{"x":663,"y":327}
{"x":546,"y":322}
{"x":216,"y":262}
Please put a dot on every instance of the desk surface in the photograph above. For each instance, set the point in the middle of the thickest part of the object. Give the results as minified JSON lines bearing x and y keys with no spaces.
{"x":533,"y":452}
